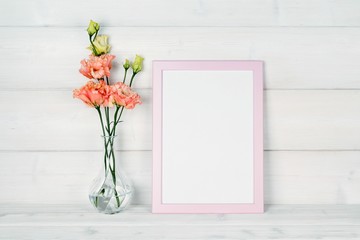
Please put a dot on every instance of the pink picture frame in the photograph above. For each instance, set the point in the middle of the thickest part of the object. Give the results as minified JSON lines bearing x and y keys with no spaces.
{"x":159,"y":205}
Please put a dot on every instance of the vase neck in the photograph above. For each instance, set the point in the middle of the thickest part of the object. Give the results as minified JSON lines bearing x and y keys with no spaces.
{"x":109,"y":152}
{"x":109,"y":137}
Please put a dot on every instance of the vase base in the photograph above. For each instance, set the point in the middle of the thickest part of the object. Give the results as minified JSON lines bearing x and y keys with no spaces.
{"x":110,"y":204}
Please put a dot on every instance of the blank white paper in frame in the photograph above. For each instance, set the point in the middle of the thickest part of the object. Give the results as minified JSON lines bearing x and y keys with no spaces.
{"x":207,"y":140}
{"x":197,"y":124}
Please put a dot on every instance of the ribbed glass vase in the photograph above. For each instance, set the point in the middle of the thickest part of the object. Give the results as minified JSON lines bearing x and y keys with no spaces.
{"x":110,"y":191}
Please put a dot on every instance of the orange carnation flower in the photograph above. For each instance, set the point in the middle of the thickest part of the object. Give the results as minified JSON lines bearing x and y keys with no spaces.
{"x":97,"y":66}
{"x":122,"y":95}
{"x":94,"y":94}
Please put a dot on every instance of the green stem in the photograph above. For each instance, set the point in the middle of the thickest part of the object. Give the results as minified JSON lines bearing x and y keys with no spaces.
{"x":115,"y":117}
{"x":125,"y":75}
{"x":103,"y":130}
{"x":109,"y":132}
{"x":116,"y":193}
{"x":122,"y":109}
{"x":110,"y":140}
{"x":113,"y":168}
{"x":111,"y":152}
{"x":94,"y":48}
{"x":96,"y":35}
{"x":132,"y":78}
{"x":101,"y":119}
{"x":107,"y":110}
{"x":116,"y":120}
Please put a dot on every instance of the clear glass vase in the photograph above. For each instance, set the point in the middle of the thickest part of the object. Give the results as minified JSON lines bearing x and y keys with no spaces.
{"x":110,"y":191}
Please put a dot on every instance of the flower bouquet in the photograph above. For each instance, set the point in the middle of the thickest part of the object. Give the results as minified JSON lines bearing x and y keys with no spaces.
{"x":110,"y":191}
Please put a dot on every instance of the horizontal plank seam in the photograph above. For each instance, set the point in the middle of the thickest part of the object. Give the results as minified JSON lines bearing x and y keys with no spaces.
{"x":147,"y":88}
{"x":51,"y":89}
{"x":268,"y":206}
{"x":149,"y":150}
{"x":182,"y":26}
{"x":64,"y":151}
{"x":136,"y":225}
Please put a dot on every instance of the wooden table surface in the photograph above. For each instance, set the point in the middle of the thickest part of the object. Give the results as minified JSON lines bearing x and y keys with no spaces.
{"x":82,"y":222}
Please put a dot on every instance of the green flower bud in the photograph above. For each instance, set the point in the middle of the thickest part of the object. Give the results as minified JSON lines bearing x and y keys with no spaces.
{"x":93,"y":27}
{"x":137,"y":64}
{"x":126,"y":64}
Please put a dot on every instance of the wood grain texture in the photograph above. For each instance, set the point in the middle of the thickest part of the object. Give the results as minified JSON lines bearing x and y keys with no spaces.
{"x":294,"y":120}
{"x":55,"y":119}
{"x":140,"y":215}
{"x":291,"y":177}
{"x":295,"y":58}
{"x":157,"y":232}
{"x":182,"y":13}
{"x":278,"y":222}
{"x":50,"y":144}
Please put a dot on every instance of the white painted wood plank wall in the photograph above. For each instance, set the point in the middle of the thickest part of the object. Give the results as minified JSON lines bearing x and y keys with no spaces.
{"x":49,"y":142}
